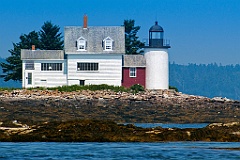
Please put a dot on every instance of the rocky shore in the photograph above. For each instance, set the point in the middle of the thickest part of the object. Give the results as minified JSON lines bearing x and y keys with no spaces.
{"x":108,"y":131}
{"x":147,"y":107}
{"x":45,"y":115}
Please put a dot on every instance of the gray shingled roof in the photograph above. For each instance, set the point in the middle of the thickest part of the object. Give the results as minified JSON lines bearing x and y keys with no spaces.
{"x":94,"y":37}
{"x":134,"y":61}
{"x":42,"y":54}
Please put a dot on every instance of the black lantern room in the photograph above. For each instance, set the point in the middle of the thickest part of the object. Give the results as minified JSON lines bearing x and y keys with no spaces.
{"x":156,"y":37}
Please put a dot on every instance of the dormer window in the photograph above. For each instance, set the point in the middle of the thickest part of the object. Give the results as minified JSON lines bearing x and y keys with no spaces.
{"x":81,"y":44}
{"x":108,"y":44}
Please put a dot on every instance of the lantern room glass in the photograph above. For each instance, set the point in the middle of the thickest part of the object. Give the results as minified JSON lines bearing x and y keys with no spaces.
{"x":156,"y":35}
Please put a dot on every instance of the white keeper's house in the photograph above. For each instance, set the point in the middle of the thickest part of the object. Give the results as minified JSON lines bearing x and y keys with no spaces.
{"x":96,"y":55}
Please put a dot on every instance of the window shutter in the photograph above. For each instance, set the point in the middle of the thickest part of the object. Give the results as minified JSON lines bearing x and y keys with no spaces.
{"x":76,"y":44}
{"x":86,"y":45}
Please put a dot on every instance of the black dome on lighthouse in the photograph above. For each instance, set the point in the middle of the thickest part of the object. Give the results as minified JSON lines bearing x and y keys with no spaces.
{"x":156,"y":28}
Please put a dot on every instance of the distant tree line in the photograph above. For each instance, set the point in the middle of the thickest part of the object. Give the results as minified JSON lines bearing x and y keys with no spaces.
{"x":209,"y":80}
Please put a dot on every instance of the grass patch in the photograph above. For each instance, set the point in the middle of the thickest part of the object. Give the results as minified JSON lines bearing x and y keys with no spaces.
{"x":7,"y":88}
{"x":86,"y":87}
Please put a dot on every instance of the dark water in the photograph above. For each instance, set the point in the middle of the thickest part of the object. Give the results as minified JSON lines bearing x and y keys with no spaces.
{"x":118,"y":151}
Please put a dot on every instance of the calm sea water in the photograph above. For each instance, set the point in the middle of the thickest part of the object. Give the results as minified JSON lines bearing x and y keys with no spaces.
{"x":118,"y":151}
{"x":171,"y":125}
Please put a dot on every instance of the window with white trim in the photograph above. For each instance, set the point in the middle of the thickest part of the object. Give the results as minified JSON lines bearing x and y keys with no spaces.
{"x":29,"y":65}
{"x":108,"y":44}
{"x":51,"y":66}
{"x":81,"y":44}
{"x":132,"y":72}
{"x":83,"y":66}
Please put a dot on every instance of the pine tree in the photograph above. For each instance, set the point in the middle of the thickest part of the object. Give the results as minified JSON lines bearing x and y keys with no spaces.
{"x":132,"y":44}
{"x":50,"y":37}
{"x":27,"y":40}
{"x":13,"y":66}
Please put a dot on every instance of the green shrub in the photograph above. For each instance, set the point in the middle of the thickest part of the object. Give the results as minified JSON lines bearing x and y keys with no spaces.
{"x":172,"y":87}
{"x":137,"y":88}
{"x":86,"y":87}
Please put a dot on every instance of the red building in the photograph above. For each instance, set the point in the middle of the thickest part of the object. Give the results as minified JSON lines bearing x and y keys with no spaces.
{"x":134,"y":70}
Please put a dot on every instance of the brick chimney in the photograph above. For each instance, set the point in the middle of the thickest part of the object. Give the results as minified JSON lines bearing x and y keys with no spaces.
{"x":33,"y":47}
{"x":85,"y":21}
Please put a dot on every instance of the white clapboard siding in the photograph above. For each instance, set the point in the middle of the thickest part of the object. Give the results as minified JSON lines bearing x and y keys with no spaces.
{"x":46,"y":78}
{"x":109,"y":69}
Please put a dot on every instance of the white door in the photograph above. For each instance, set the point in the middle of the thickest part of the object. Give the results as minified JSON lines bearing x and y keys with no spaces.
{"x":29,"y":80}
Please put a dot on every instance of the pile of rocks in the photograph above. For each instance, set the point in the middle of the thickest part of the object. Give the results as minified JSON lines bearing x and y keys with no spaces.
{"x":101,"y":94}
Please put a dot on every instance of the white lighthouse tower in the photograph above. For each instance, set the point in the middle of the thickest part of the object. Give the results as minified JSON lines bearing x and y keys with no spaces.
{"x":156,"y":55}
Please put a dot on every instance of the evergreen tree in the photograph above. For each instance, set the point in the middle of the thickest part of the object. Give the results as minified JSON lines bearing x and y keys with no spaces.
{"x":50,"y":37}
{"x":13,"y":66}
{"x":27,"y":40}
{"x":132,"y":44}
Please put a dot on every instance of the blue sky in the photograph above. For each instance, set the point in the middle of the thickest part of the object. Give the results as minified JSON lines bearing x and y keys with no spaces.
{"x":200,"y":31}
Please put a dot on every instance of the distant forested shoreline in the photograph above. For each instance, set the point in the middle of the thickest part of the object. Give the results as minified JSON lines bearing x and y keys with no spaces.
{"x":210,"y":80}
